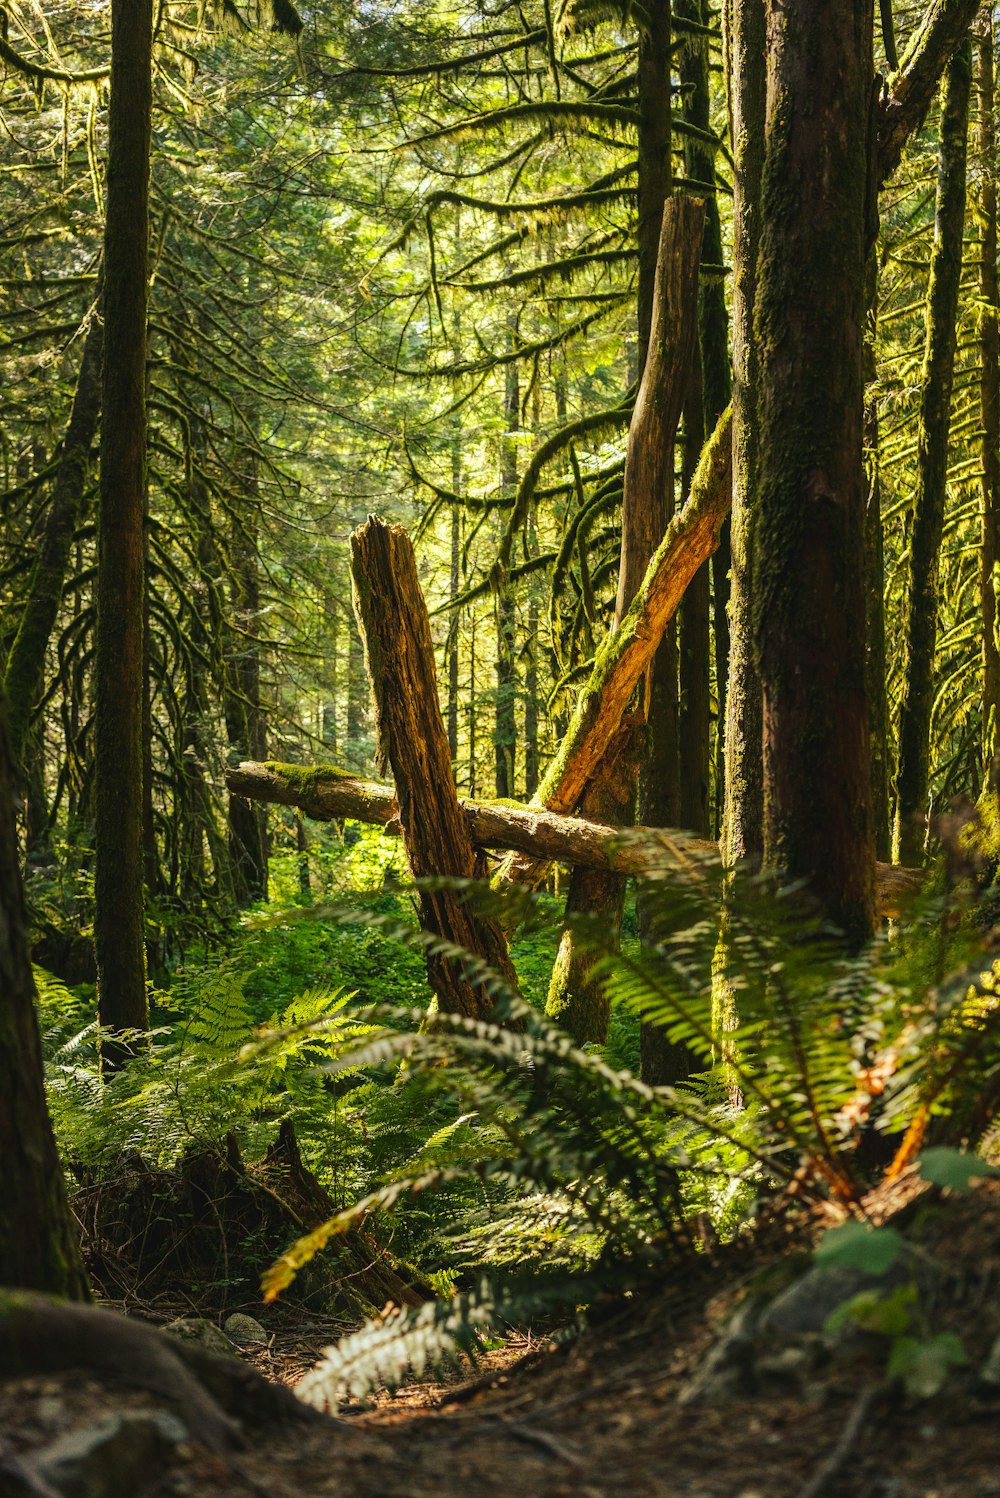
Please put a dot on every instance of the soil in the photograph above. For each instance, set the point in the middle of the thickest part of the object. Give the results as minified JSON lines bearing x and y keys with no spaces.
{"x":600,"y":1418}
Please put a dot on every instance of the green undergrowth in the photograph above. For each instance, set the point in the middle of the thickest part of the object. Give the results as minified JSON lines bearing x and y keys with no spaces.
{"x":524,"y":1176}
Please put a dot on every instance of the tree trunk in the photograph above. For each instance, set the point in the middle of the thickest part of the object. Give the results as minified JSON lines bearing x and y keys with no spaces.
{"x":989,"y":381}
{"x":412,"y":741}
{"x":453,"y":581}
{"x":26,"y":662}
{"x":648,"y":481}
{"x":39,"y":1249}
{"x":932,"y":462}
{"x":743,"y":820}
{"x":118,"y":888}
{"x":355,"y":751}
{"x":694,"y":646}
{"x":702,"y":411}
{"x":808,"y":537}
{"x":878,"y":736}
{"x":244,"y":716}
{"x":531,"y":752}
{"x":505,"y":731}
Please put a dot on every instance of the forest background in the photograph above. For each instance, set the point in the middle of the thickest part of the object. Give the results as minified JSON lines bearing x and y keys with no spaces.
{"x":402,"y":260}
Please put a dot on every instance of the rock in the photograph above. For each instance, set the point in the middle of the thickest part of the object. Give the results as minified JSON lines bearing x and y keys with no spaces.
{"x":727,"y":1371}
{"x":200,"y":1329}
{"x":111,"y":1457}
{"x":775,"y":1348}
{"x":244,"y":1330}
{"x":803,"y":1308}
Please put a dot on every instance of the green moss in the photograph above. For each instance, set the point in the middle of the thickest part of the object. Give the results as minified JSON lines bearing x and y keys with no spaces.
{"x":575,"y":1000}
{"x":306,"y":777}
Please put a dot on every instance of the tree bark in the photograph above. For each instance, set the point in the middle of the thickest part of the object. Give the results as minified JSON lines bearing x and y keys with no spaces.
{"x":39,"y":1247}
{"x":118,"y":888}
{"x":932,"y":462}
{"x":743,"y":819}
{"x":989,"y":380}
{"x":245,"y":723}
{"x":808,"y":537}
{"x":504,"y":727}
{"x":413,"y":742}
{"x":327,"y":794}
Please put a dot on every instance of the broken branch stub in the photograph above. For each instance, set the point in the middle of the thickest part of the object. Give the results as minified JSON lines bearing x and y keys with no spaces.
{"x":412,"y":744}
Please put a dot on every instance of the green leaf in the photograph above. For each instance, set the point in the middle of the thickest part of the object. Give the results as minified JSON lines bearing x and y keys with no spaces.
{"x":872,"y":1311}
{"x":954,"y":1168}
{"x":923,"y":1365}
{"x":856,"y":1246}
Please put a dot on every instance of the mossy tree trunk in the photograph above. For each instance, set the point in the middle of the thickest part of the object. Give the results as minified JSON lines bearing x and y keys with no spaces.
{"x":932,"y":461}
{"x":413,"y":743}
{"x":119,"y":936}
{"x":196,"y":812}
{"x":743,"y":819}
{"x":989,"y":379}
{"x":808,"y":532}
{"x":39,"y":1249}
{"x":504,"y":726}
{"x":875,"y":646}
{"x":645,"y":515}
{"x":453,"y":582}
{"x":708,"y":397}
{"x":26,"y":661}
{"x":245,"y":721}
{"x":574,"y":999}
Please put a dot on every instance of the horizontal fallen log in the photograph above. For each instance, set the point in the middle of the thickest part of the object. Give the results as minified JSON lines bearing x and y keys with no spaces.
{"x":327,"y":794}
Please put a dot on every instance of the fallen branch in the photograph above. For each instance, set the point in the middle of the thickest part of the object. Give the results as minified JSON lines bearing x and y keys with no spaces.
{"x":326,"y":794}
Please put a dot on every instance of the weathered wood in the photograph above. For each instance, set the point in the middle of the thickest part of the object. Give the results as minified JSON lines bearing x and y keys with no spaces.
{"x":412,"y":742}
{"x":326,"y":794}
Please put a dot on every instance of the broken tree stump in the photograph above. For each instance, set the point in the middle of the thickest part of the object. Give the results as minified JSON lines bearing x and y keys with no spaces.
{"x":412,"y":743}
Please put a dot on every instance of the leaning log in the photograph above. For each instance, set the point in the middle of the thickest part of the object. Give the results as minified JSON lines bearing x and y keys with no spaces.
{"x":627,"y":654}
{"x":412,"y":743}
{"x":327,"y":795}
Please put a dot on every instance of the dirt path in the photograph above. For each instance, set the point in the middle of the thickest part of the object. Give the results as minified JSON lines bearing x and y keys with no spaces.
{"x":600,"y":1418}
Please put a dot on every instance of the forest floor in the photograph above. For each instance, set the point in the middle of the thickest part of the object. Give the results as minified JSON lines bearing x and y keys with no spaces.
{"x":601,"y":1416}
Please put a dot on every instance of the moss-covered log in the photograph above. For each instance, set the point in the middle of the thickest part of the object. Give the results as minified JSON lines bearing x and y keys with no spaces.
{"x":327,"y":794}
{"x":413,"y":742}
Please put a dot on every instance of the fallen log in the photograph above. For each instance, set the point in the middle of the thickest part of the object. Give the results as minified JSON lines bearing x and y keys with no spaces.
{"x":327,"y":795}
